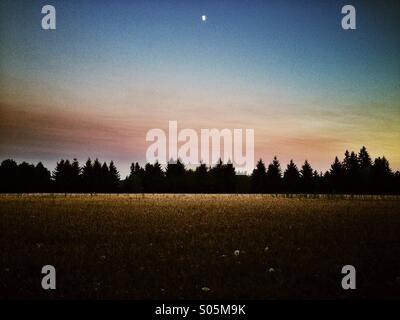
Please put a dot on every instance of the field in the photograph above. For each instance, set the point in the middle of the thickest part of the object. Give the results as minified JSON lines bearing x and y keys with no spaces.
{"x":198,"y":246}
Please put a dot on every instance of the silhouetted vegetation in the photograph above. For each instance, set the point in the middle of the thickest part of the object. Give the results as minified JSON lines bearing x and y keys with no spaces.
{"x":355,"y":174}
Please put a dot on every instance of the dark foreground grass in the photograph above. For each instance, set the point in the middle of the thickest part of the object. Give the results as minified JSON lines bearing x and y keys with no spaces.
{"x":198,"y":246}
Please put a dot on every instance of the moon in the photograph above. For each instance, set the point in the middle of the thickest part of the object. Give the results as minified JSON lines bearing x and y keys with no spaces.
{"x":203,"y":18}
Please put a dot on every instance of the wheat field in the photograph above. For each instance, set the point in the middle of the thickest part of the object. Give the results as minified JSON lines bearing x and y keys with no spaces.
{"x":135,"y":246}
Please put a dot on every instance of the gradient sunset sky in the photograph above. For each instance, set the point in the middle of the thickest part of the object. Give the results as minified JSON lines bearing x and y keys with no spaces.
{"x":115,"y":69}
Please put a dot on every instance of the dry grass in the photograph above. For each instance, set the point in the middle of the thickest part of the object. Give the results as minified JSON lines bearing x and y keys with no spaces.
{"x":172,"y":246}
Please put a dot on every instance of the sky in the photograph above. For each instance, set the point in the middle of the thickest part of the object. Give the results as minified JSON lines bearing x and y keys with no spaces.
{"x":112,"y":70}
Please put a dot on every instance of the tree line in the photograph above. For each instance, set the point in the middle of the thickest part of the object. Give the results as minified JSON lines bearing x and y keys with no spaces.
{"x":355,"y":174}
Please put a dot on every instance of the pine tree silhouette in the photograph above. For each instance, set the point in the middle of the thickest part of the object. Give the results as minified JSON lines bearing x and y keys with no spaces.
{"x":259,"y":177}
{"x":365,"y":168}
{"x":134,"y":182}
{"x":42,"y":178}
{"x":336,"y":177}
{"x":291,"y":178}
{"x":381,"y":176}
{"x":26,"y":177}
{"x":88,"y":177}
{"x":97,"y":176}
{"x":9,"y":180}
{"x":352,"y":173}
{"x":175,"y":176}
{"x":104,"y":178}
{"x":60,"y":177}
{"x":229,"y":175}
{"x":222,"y":177}
{"x":76,"y":176}
{"x":307,"y":183}
{"x":154,"y":179}
{"x":202,"y":179}
{"x":364,"y":158}
{"x":356,"y":174}
{"x":113,"y":181}
{"x":274,"y":177}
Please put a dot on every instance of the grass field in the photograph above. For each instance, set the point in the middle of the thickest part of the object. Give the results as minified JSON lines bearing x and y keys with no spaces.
{"x":198,"y":246}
